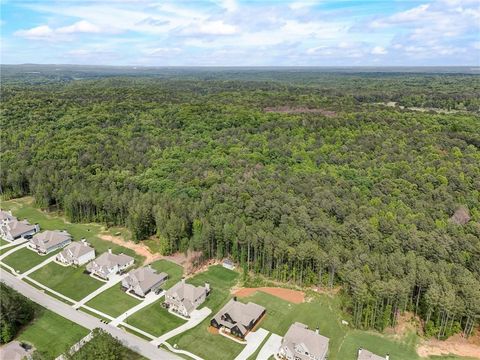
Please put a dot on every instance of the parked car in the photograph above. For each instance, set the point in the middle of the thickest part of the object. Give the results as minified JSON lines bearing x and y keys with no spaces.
{"x":28,"y":237}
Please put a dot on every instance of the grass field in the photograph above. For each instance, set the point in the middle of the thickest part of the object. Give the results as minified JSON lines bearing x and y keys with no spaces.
{"x":198,"y":340}
{"x":69,"y":281}
{"x":24,"y":208}
{"x":173,"y":270}
{"x":25,"y":259}
{"x":113,"y":301}
{"x":51,"y":333}
{"x":3,"y":242}
{"x":154,"y":319}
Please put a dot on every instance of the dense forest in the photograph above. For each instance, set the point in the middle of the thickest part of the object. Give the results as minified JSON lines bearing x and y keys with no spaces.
{"x":305,"y":176}
{"x":16,"y":311}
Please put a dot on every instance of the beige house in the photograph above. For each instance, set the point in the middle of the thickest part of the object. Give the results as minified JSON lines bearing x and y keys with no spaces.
{"x":238,"y":318}
{"x":183,"y":298}
{"x":367,"y":355}
{"x":77,"y":253}
{"x":108,"y":264}
{"x":301,"y":343}
{"x":11,"y":228}
{"x":49,"y":241}
{"x":143,"y":280}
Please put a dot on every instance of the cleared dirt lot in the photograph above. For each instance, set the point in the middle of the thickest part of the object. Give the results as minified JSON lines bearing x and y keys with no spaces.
{"x":293,"y":296}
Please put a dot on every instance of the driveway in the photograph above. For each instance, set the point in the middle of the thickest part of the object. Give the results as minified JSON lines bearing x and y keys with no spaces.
{"x":133,"y":342}
{"x":196,"y":318}
{"x":254,"y":340}
{"x":4,"y":255}
{"x":14,"y":243}
{"x":270,"y":347}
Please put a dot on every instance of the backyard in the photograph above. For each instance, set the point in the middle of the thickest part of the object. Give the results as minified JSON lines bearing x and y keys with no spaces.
{"x":69,"y":281}
{"x":51,"y":333}
{"x":113,"y":301}
{"x":173,"y":270}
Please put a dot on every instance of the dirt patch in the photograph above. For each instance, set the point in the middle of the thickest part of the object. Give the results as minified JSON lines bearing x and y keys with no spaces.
{"x":406,"y":323}
{"x":293,"y":296}
{"x":455,"y":345}
{"x":140,"y":249}
{"x":212,"y":330}
{"x":192,"y":261}
{"x":299,"y":110}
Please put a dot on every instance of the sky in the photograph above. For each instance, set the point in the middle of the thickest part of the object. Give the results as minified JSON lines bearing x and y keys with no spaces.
{"x":241,"y":33}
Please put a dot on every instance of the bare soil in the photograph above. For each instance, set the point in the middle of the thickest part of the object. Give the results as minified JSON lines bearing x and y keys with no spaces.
{"x":455,"y":345}
{"x":191,"y":262}
{"x":140,"y":249}
{"x":293,"y":296}
{"x":299,"y":110}
{"x":212,"y":330}
{"x":406,"y":323}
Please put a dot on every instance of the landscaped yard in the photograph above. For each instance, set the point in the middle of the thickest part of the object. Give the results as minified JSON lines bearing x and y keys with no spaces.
{"x":198,"y":340}
{"x":51,"y":333}
{"x":25,"y":259}
{"x":23,"y":208}
{"x":154,"y":319}
{"x":173,"y":270}
{"x":3,"y":242}
{"x":69,"y":281}
{"x":113,"y":301}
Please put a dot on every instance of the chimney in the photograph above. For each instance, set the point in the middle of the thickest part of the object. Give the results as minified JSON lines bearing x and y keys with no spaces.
{"x":387,"y":357}
{"x":359,"y":352}
{"x":183,"y":280}
{"x":109,"y":250}
{"x":207,"y":287}
{"x":316,"y":331}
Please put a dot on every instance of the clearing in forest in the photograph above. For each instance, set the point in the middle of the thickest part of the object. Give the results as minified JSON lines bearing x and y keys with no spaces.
{"x":293,"y":296}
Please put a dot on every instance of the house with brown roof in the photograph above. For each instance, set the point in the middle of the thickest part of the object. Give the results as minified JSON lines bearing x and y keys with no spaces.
{"x":301,"y":343}
{"x":11,"y":228}
{"x":143,"y":280}
{"x":77,"y":253}
{"x":109,"y":264}
{"x":49,"y":241}
{"x":238,"y":318}
{"x":367,"y":355}
{"x":183,"y":298}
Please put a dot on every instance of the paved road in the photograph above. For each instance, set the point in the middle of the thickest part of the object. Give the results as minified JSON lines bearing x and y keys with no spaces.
{"x":254,"y":340}
{"x":270,"y":348}
{"x":134,"y":343}
{"x":196,"y":317}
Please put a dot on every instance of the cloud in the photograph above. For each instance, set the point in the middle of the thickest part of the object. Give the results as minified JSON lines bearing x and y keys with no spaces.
{"x":162,"y":51}
{"x":217,"y":27}
{"x":379,"y":50}
{"x":45,"y":32}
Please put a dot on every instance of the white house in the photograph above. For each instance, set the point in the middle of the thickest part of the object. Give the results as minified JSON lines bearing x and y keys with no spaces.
{"x":11,"y":228}
{"x":77,"y":253}
{"x":183,"y":298}
{"x":108,"y":264}
{"x":367,"y":355}
{"x":301,"y":343}
{"x":143,"y":280}
{"x":49,"y":240}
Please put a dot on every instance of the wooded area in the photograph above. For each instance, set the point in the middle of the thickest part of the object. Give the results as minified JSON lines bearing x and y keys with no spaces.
{"x":361,"y":196}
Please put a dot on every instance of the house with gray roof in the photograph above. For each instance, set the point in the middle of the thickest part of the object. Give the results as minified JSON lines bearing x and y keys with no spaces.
{"x":367,"y":355}
{"x":301,"y":343}
{"x":11,"y":228}
{"x":183,"y":298}
{"x":49,"y":240}
{"x":16,"y":350}
{"x":143,"y":280}
{"x":238,"y":318}
{"x":108,"y":264}
{"x":77,"y":253}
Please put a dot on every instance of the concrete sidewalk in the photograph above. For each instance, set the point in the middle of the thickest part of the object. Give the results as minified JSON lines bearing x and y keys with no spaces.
{"x":270,"y":347}
{"x":9,"y":252}
{"x":254,"y":340}
{"x":14,"y":243}
{"x":35,"y":268}
{"x":196,"y":318}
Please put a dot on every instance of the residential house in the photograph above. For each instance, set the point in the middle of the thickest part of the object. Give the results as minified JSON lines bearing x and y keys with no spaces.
{"x":367,"y":355}
{"x":11,"y":228}
{"x":301,"y":343}
{"x":16,"y":350}
{"x":77,"y":253}
{"x":143,"y":280}
{"x":108,"y":264}
{"x":228,"y":264}
{"x":183,"y":298}
{"x":49,"y":241}
{"x":238,"y":318}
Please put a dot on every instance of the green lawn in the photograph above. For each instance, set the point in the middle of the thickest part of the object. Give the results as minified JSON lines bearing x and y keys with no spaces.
{"x":25,"y":259}
{"x":23,"y":208}
{"x":154,"y":319}
{"x":3,"y":242}
{"x":198,"y":340}
{"x":52,"y":333}
{"x":113,"y":301}
{"x":173,"y":270}
{"x":69,"y":281}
